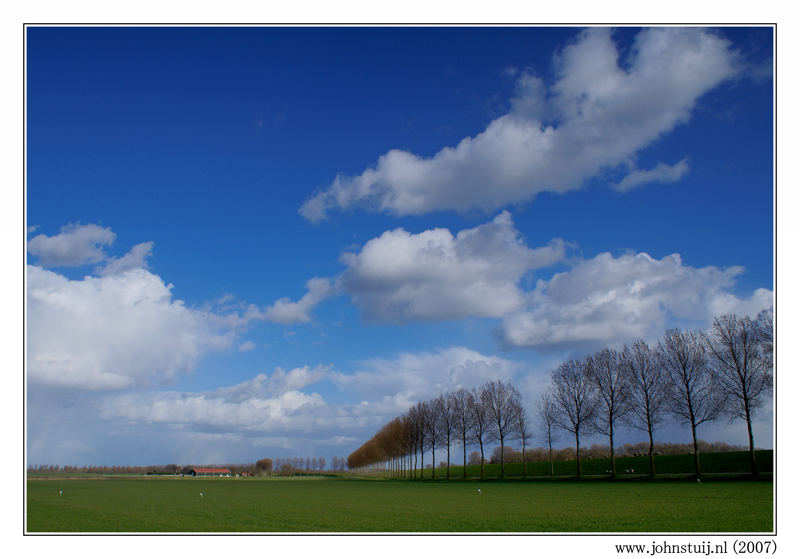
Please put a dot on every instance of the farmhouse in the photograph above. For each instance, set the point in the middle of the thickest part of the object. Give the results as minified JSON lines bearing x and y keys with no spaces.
{"x":215,"y":472}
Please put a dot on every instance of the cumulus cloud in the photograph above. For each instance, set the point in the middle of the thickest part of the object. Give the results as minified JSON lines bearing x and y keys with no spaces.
{"x":136,"y":258}
{"x":230,"y":312}
{"x":272,"y":406}
{"x":608,"y":300}
{"x":210,"y":410}
{"x":597,"y":115}
{"x":434,"y":275}
{"x":112,"y":332}
{"x":662,"y":173}
{"x":75,"y":245}
{"x":121,"y":327}
{"x":410,"y":377}
{"x":286,"y":311}
{"x":274,"y":410}
{"x":267,"y":405}
{"x":279,"y":382}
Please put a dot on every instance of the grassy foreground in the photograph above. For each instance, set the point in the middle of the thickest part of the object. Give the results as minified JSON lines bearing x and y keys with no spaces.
{"x":348,"y":505}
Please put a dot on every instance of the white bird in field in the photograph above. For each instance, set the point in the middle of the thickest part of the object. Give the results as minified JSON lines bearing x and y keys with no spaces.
{"x":698,"y":480}
{"x":479,"y":490}
{"x":60,"y":493}
{"x":201,"y":494}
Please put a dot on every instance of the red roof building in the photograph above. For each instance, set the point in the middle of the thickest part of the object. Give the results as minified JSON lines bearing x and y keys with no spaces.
{"x":217,"y":472}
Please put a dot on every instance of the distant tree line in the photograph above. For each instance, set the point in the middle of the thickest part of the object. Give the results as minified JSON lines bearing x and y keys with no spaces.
{"x":106,"y":470}
{"x":297,"y":465}
{"x":690,"y":376}
{"x":263,"y":467}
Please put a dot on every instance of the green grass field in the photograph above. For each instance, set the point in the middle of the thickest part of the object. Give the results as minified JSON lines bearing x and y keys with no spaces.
{"x":142,"y":504}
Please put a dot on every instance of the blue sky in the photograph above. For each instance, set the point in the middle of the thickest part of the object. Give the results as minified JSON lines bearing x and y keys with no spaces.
{"x":249,"y":242}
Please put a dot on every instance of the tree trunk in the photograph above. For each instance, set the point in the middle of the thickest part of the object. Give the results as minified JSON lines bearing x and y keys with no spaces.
{"x":611,"y":448}
{"x":753,"y":464}
{"x":696,"y":450}
{"x":464,"y":442}
{"x":448,"y":458}
{"x":578,"y":452}
{"x":502,"y":459}
{"x":524,"y":461}
{"x":483,"y":473}
{"x":652,"y":452}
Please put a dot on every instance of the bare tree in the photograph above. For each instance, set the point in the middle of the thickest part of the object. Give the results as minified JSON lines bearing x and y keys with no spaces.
{"x":459,"y":401}
{"x":430,"y":415}
{"x":647,"y":391}
{"x":606,"y":373}
{"x":407,"y":442}
{"x":575,"y":400}
{"x":501,"y":400}
{"x":743,"y":368}
{"x":416,"y":420}
{"x":445,"y":423}
{"x":694,"y":397}
{"x":547,"y":417}
{"x":479,"y":426}
{"x":522,"y":431}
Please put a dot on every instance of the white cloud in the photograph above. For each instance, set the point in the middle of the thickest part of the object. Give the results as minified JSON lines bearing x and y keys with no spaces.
{"x":297,"y":378}
{"x":266,"y":405}
{"x":596,"y":116}
{"x":434,"y":275}
{"x":660,"y":173}
{"x":410,"y":377}
{"x":136,"y":258}
{"x":247,"y":346}
{"x":285,"y":311}
{"x":235,"y":313}
{"x":276,"y":405}
{"x":279,"y":382}
{"x":75,"y":245}
{"x":112,"y":332}
{"x":229,"y":312}
{"x":292,"y":410}
{"x":607,"y":300}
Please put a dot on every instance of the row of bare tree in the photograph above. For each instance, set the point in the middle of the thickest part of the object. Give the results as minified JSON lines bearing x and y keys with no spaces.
{"x":694,"y":377}
{"x":151,"y":469}
{"x":491,"y":412}
{"x":95,"y":469}
{"x":296,"y":465}
{"x":299,"y":465}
